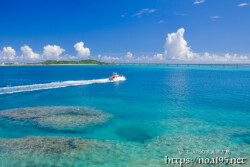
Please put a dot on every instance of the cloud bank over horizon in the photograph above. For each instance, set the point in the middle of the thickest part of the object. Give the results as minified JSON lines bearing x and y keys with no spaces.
{"x":50,"y":52}
{"x":176,"y":50}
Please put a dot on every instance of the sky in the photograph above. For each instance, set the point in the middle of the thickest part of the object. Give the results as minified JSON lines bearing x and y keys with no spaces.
{"x":129,"y":31}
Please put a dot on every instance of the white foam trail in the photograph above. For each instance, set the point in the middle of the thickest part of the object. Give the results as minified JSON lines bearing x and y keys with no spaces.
{"x":52,"y":85}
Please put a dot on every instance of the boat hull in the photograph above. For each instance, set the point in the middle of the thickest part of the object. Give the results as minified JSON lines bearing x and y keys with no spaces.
{"x":120,"y":78}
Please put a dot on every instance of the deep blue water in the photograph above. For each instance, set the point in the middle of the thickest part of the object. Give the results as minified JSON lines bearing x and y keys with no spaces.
{"x":186,"y":102}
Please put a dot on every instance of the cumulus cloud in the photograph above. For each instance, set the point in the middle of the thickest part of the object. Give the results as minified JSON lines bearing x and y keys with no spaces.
{"x":7,"y":54}
{"x":158,"y":56}
{"x":242,"y":4}
{"x":82,"y":52}
{"x":176,"y":46}
{"x":130,"y":58}
{"x":110,"y":58}
{"x":199,"y":2}
{"x":28,"y":54}
{"x":226,"y":58}
{"x":129,"y":55}
{"x":176,"y":50}
{"x":145,"y":11}
{"x":197,"y":58}
{"x":52,"y":52}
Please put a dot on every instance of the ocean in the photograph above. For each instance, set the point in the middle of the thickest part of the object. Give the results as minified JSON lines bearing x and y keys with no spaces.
{"x":158,"y":111}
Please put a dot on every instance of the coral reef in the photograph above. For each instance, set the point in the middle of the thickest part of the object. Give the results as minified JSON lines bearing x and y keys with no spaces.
{"x":61,"y":118}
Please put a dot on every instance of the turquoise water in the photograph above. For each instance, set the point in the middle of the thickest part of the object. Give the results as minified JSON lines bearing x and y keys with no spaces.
{"x":155,"y":112}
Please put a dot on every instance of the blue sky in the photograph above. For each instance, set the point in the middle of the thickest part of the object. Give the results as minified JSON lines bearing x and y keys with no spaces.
{"x":125,"y":30}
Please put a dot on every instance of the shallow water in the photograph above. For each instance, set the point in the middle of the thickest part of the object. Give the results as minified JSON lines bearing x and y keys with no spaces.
{"x":57,"y":118}
{"x":156,"y":111}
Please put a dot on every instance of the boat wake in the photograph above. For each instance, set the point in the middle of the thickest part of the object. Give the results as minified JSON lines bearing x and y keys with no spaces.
{"x":52,"y":85}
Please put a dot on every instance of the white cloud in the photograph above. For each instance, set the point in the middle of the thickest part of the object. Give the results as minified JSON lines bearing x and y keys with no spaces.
{"x":181,"y":14}
{"x":226,"y":58}
{"x":159,"y":56}
{"x":242,"y":4}
{"x":161,"y":21}
{"x":145,"y":11}
{"x":123,"y":15}
{"x":129,"y":55}
{"x":110,"y":58}
{"x":199,"y":2}
{"x":52,"y":52}
{"x":214,"y":18}
{"x":7,"y":54}
{"x":176,"y":46}
{"x":176,"y":50}
{"x":28,"y":54}
{"x":82,"y":52}
{"x":130,"y":58}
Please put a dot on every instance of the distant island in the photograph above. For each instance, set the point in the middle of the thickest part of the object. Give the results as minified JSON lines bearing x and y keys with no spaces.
{"x":88,"y":61}
{"x":61,"y":62}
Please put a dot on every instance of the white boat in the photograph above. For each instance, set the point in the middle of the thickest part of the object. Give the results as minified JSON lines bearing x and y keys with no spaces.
{"x":116,"y":77}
